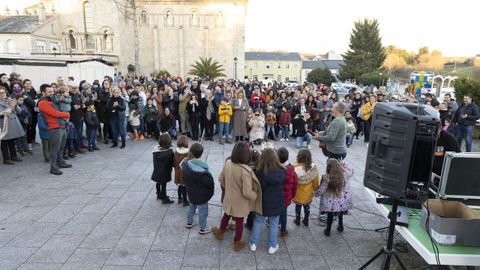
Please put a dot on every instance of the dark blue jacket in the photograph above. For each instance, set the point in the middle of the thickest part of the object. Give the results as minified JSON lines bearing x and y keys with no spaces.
{"x":272,"y":192}
{"x":42,"y":127}
{"x":472,"y":112}
{"x":199,"y":181}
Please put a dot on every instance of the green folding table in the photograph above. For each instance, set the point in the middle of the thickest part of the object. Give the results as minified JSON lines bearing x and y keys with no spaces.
{"x":418,"y":238}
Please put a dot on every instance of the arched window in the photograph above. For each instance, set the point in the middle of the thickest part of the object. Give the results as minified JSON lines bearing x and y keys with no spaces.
{"x":219,"y":22}
{"x":71,"y":40}
{"x":144,"y":17}
{"x":169,"y":19}
{"x":107,"y":41}
{"x":11,"y":46}
{"x":194,"y":19}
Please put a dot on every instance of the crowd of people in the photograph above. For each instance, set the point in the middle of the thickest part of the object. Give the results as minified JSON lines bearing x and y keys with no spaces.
{"x":107,"y":110}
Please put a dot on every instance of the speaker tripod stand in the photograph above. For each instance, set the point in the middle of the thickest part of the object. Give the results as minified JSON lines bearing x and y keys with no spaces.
{"x":388,"y":251}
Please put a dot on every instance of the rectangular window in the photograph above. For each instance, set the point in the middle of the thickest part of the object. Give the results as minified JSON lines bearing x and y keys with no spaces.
{"x":287,"y":66}
{"x":295,"y":78}
{"x":287,"y":79}
{"x":279,"y":79}
{"x":40,"y":45}
{"x":279,"y":66}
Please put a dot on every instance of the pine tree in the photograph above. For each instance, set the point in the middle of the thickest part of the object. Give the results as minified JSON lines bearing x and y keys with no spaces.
{"x":366,"y":53}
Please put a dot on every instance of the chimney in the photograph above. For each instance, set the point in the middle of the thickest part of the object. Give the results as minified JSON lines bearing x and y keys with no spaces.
{"x":41,"y":14}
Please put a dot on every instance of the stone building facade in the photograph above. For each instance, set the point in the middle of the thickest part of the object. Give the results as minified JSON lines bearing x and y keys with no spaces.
{"x":172,"y":34}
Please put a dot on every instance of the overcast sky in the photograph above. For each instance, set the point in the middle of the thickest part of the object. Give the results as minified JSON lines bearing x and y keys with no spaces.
{"x":318,"y":26}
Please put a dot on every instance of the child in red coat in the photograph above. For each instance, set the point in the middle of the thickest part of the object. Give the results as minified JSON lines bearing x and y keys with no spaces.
{"x":284,"y":123}
{"x":289,"y":187}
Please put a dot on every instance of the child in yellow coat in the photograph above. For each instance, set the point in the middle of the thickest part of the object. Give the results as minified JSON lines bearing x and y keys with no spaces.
{"x":307,"y":173}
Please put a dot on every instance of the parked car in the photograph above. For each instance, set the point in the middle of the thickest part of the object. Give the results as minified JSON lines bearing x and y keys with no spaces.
{"x":292,"y":84}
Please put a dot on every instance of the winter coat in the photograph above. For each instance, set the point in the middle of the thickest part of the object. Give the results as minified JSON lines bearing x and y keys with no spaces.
{"x":23,"y":115}
{"x":134,"y":118}
{"x":284,"y":119}
{"x":162,"y":165}
{"x":224,"y":113}
{"x":240,"y":117}
{"x":272,"y":192}
{"x":184,"y":99}
{"x":140,"y":107}
{"x":199,"y":181}
{"x":151,"y":114}
{"x":14,"y":127}
{"x":91,"y":119}
{"x":366,"y":108}
{"x":332,"y":203}
{"x":116,"y":111}
{"x":472,"y":112}
{"x":281,"y":102}
{"x":159,"y":101}
{"x":290,"y":185}
{"x":167,"y":123}
{"x":193,"y":111}
{"x":51,"y":115}
{"x":270,"y":118}
{"x":42,"y":127}
{"x":242,"y":192}
{"x":307,"y":184}
{"x":180,"y":154}
{"x":258,"y":128}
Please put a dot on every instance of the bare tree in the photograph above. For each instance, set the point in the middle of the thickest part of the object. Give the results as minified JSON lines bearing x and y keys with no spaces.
{"x":128,"y":8}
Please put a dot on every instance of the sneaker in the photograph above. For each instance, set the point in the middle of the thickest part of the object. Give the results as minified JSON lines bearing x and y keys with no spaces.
{"x":282,"y":139}
{"x":30,"y":147}
{"x":273,"y":250}
{"x":287,"y":139}
{"x":189,"y":226}
{"x":253,"y":247}
{"x":90,"y":149}
{"x":167,"y":201}
{"x":95,"y":148}
{"x":205,"y":231}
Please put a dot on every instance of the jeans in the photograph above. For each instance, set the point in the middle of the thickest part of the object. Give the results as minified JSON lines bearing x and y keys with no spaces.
{"x":58,"y":137}
{"x":78,"y":124}
{"x":22,"y":144}
{"x":118,"y":127}
{"x":283,"y":221}
{"x":258,"y":225}
{"x":467,"y":132}
{"x":270,"y":129}
{"x":349,"y":138}
{"x":142,"y":126}
{"x":91,"y":136}
{"x":172,"y":133}
{"x":209,"y":127}
{"x":224,"y":130}
{"x":307,"y":137}
{"x":202,"y":214}
{"x":184,"y":123}
{"x":285,"y":132}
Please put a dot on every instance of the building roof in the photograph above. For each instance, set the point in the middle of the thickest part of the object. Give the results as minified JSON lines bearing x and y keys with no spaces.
{"x":313,"y":64}
{"x":19,"y":23}
{"x":53,"y":58}
{"x":273,"y":56}
{"x":333,"y":64}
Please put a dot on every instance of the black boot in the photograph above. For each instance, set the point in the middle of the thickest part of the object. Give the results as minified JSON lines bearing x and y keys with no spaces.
{"x":115,"y":144}
{"x":179,"y":194}
{"x":329,"y":224}
{"x":159,"y":192}
{"x":340,"y":223}
{"x":123,"y":145}
{"x":55,"y":171}
{"x":305,"y":219}
{"x":167,"y":200}
{"x":297,"y":220}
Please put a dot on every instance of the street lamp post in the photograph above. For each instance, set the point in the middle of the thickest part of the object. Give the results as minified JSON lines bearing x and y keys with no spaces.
{"x":235,"y":61}
{"x":251,"y":74}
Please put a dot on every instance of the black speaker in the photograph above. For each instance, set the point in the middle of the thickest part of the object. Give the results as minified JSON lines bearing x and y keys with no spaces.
{"x":401,"y":149}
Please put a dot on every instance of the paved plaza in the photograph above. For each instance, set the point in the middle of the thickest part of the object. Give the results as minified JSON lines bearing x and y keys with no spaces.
{"x":103,"y":214}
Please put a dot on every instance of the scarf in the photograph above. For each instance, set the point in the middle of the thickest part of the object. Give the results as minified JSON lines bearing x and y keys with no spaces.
{"x":210,"y":109}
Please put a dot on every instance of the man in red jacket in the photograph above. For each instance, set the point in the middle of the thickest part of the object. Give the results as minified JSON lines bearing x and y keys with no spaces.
{"x":56,"y":130}
{"x":289,"y":187}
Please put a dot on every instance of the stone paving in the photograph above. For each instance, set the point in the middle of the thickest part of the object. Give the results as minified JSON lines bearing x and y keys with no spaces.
{"x":103,"y":214}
